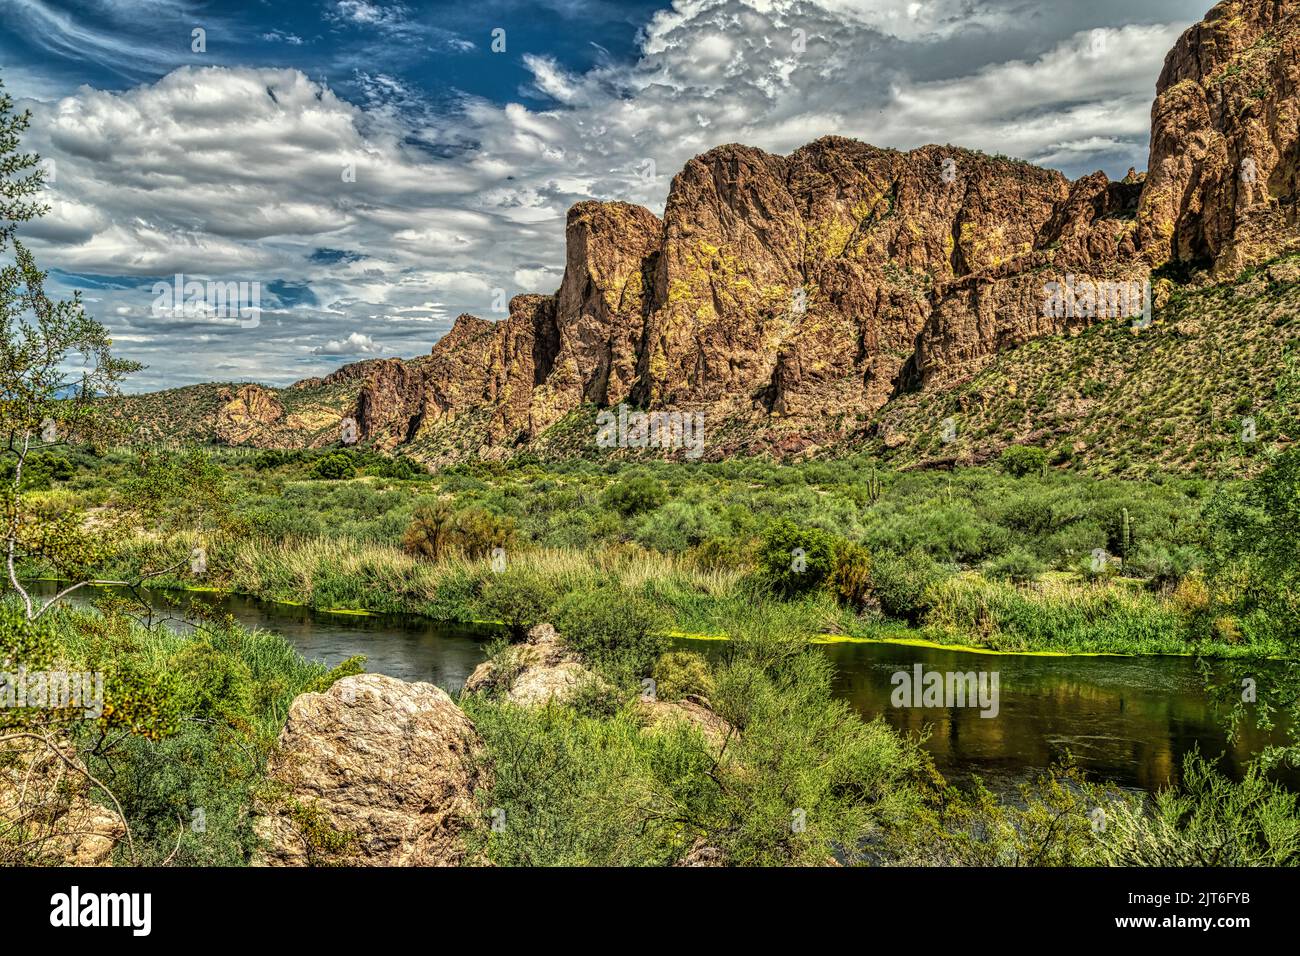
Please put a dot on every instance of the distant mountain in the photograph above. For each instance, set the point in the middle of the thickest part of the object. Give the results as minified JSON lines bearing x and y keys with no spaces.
{"x":846,"y":294}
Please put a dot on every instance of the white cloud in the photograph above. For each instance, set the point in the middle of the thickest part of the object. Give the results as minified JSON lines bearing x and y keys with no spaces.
{"x":354,"y":344}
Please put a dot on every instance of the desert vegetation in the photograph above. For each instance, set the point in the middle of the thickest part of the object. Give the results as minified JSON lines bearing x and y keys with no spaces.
{"x":1009,"y":556}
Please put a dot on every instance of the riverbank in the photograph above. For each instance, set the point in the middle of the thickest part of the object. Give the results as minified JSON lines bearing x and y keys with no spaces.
{"x":1058,"y":615}
{"x":1095,"y":707}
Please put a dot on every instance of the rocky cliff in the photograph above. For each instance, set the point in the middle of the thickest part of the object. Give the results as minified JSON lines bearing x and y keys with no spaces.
{"x":809,"y":290}
{"x":1225,"y":145}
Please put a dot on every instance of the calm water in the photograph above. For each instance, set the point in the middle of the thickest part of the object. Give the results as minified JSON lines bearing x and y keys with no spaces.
{"x":1129,"y":720}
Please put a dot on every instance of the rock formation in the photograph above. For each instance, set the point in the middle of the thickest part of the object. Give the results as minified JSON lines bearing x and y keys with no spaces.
{"x":386,"y":768}
{"x":532,"y":673}
{"x":61,"y":824}
{"x":690,"y":710}
{"x":809,"y":290}
{"x":245,"y":412}
{"x":1225,"y":140}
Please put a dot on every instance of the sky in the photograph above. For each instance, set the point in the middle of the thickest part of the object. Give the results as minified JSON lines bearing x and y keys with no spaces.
{"x":373,"y":168}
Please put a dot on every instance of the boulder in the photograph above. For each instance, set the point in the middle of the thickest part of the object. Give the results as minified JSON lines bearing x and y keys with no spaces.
{"x":533,"y":673}
{"x":702,"y":854}
{"x":385,"y":766}
{"x":37,"y":786}
{"x":691,"y":710}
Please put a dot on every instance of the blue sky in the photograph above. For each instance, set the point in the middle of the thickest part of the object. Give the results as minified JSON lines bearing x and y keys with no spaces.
{"x":230,"y":159}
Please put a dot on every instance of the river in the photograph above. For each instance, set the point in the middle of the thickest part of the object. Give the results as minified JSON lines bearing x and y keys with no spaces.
{"x":1125,"y":719}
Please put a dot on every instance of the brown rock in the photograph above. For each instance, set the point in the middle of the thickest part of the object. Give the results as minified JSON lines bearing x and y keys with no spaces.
{"x":702,"y":854}
{"x":692,"y":710}
{"x":65,"y":827}
{"x":813,"y":288}
{"x":1225,"y":134}
{"x":247,"y":413}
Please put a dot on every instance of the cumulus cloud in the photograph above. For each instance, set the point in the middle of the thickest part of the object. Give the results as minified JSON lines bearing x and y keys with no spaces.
{"x":354,"y":344}
{"x":391,"y":217}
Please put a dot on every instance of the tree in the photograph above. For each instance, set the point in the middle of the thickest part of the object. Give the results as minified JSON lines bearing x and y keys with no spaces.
{"x":55,"y":361}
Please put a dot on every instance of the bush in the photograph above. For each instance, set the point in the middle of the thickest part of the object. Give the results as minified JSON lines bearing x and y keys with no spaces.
{"x":722,"y":554}
{"x":572,"y":788}
{"x":1021,"y":460}
{"x":1210,"y":821}
{"x":636,"y":494}
{"x":519,"y":598}
{"x":809,"y":779}
{"x":275,"y":458}
{"x":334,"y":467}
{"x":437,"y":531}
{"x":616,"y":633}
{"x":851,"y":578}
{"x":40,"y":472}
{"x":1191,"y":598}
{"x":1016,"y":565}
{"x":680,"y":674}
{"x":398,"y":467}
{"x":796,"y":560}
{"x":903,"y":584}
{"x":679,"y":525}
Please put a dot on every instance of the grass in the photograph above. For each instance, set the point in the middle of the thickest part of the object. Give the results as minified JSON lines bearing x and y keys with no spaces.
{"x":1062,"y":615}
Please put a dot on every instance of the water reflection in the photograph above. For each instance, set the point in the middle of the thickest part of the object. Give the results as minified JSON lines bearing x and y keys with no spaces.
{"x":1130,"y":720}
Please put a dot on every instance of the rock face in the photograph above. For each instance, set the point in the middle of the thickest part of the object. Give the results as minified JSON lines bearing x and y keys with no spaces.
{"x":385,"y":765}
{"x":1225,"y":140}
{"x":246,"y":412}
{"x":691,"y":710}
{"x":534,"y":673}
{"x":814,"y":288}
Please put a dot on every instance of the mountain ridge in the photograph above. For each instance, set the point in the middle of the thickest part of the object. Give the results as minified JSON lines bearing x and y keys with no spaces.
{"x":833,"y":281}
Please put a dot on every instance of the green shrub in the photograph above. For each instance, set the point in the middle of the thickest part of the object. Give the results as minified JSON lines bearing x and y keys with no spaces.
{"x":903,"y":584}
{"x":1210,"y":820}
{"x":851,"y":578}
{"x":679,"y":674}
{"x":399,"y":467}
{"x":1021,"y":460}
{"x":796,"y":560}
{"x":1016,"y":565}
{"x":723,"y":554}
{"x":809,"y":779}
{"x":437,"y":531}
{"x":634,"y":495}
{"x":334,"y":467}
{"x":616,"y":633}
{"x":570,"y":789}
{"x":519,"y":598}
{"x":679,"y":525}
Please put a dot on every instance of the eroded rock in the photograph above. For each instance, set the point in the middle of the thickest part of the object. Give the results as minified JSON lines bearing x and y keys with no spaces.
{"x":51,"y":802}
{"x":535,"y":672}
{"x":375,"y":771}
